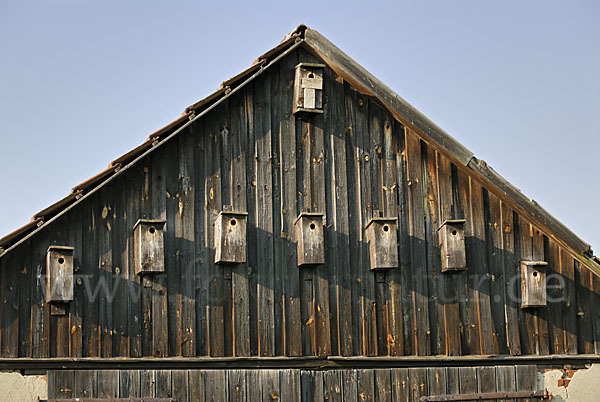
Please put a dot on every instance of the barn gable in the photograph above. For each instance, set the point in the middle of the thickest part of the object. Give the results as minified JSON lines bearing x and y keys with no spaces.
{"x":368,"y":159}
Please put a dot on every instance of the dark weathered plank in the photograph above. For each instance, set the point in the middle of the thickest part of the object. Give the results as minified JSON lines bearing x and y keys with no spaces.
{"x":121,"y":279}
{"x":400,"y":385}
{"x":264,"y":218}
{"x":239,"y":273}
{"x":585,"y":331}
{"x":108,"y":383}
{"x":197,"y":384}
{"x":505,"y":378}
{"x":237,"y":386}
{"x":437,"y":380}
{"x":25,"y":280}
{"x":596,"y":312}
{"x":567,"y":270}
{"x":526,"y":376}
{"x":467,"y":294}
{"x":130,"y":384}
{"x":452,"y":282}
{"x":493,"y":239}
{"x":539,"y":251}
{"x":383,"y":385}
{"x":90,"y":272}
{"x":9,"y":312}
{"x":332,"y":390}
{"x":163,"y":383}
{"x":105,"y":284}
{"x":468,"y":380}
{"x":353,"y":131}
{"x":289,"y":212}
{"x":61,"y":384}
{"x":148,"y":383}
{"x":418,"y":383}
{"x":435,"y":278}
{"x":512,"y":280}
{"x":180,"y":385}
{"x":555,"y":294}
{"x":365,"y":380}
{"x":216,"y":385}
{"x":479,"y":271}
{"x":486,"y":379}
{"x":527,"y":317}
{"x":418,"y":250}
{"x":185,"y":237}
{"x":135,"y":182}
{"x":453,"y":380}
{"x":290,"y":385}
{"x":86,"y":384}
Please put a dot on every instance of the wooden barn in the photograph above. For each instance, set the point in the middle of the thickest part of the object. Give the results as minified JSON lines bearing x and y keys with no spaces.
{"x":303,"y":233}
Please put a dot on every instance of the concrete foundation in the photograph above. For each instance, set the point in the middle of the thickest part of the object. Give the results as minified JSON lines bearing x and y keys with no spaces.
{"x":16,"y":387}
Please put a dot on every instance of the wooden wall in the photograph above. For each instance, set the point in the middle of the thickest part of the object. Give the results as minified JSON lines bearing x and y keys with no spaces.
{"x":401,"y":384}
{"x":251,"y":153}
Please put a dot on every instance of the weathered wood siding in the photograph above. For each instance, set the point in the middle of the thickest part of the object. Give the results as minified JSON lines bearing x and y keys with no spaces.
{"x":251,"y":153}
{"x":398,"y":384}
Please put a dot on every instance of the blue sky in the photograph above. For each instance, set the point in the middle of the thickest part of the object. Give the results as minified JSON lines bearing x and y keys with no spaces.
{"x":517,"y":82}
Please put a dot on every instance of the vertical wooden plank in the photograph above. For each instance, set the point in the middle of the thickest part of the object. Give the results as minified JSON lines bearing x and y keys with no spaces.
{"x":395,"y":329}
{"x":315,"y":166}
{"x":435,"y":278}
{"x":135,"y":182}
{"x":400,"y":385}
{"x":354,"y":129}
{"x":526,"y":380}
{"x":279,"y":79}
{"x":223,"y":132}
{"x":290,"y":385}
{"x":512,"y":280}
{"x":479,"y":271}
{"x":467,"y":293}
{"x":105,"y":284}
{"x":585,"y":333}
{"x":375,"y":171}
{"x":332,"y":390}
{"x":185,"y":238}
{"x":108,"y":383}
{"x":383,"y":385}
{"x":256,"y":394}
{"x":9,"y":299}
{"x":215,"y":385}
{"x":179,"y":380}
{"x":468,"y":380}
{"x":595,"y":311}
{"x":148,"y":383}
{"x":540,"y":248}
{"x":166,"y":201}
{"x":25,"y":281}
{"x":453,"y":380}
{"x":486,"y":379}
{"x":417,"y":378}
{"x":61,"y":384}
{"x":365,"y":380}
{"x":86,"y":384}
{"x":567,"y":270}
{"x":289,"y":212}
{"x":451,"y":283}
{"x":120,"y":257}
{"x":436,"y":379}
{"x":130,"y":384}
{"x":555,"y":294}
{"x":269,"y":382}
{"x":495,"y":258}
{"x":404,"y":242}
{"x":197,"y":384}
{"x":163,"y":383}
{"x":528,"y":319}
{"x":212,"y":191}
{"x":236,"y":380}
{"x":264,"y":217}
{"x":237,"y":179}
{"x":505,"y":379}
{"x":420,"y":294}
{"x":349,"y":384}
{"x":357,"y":111}
{"x":90,"y":272}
